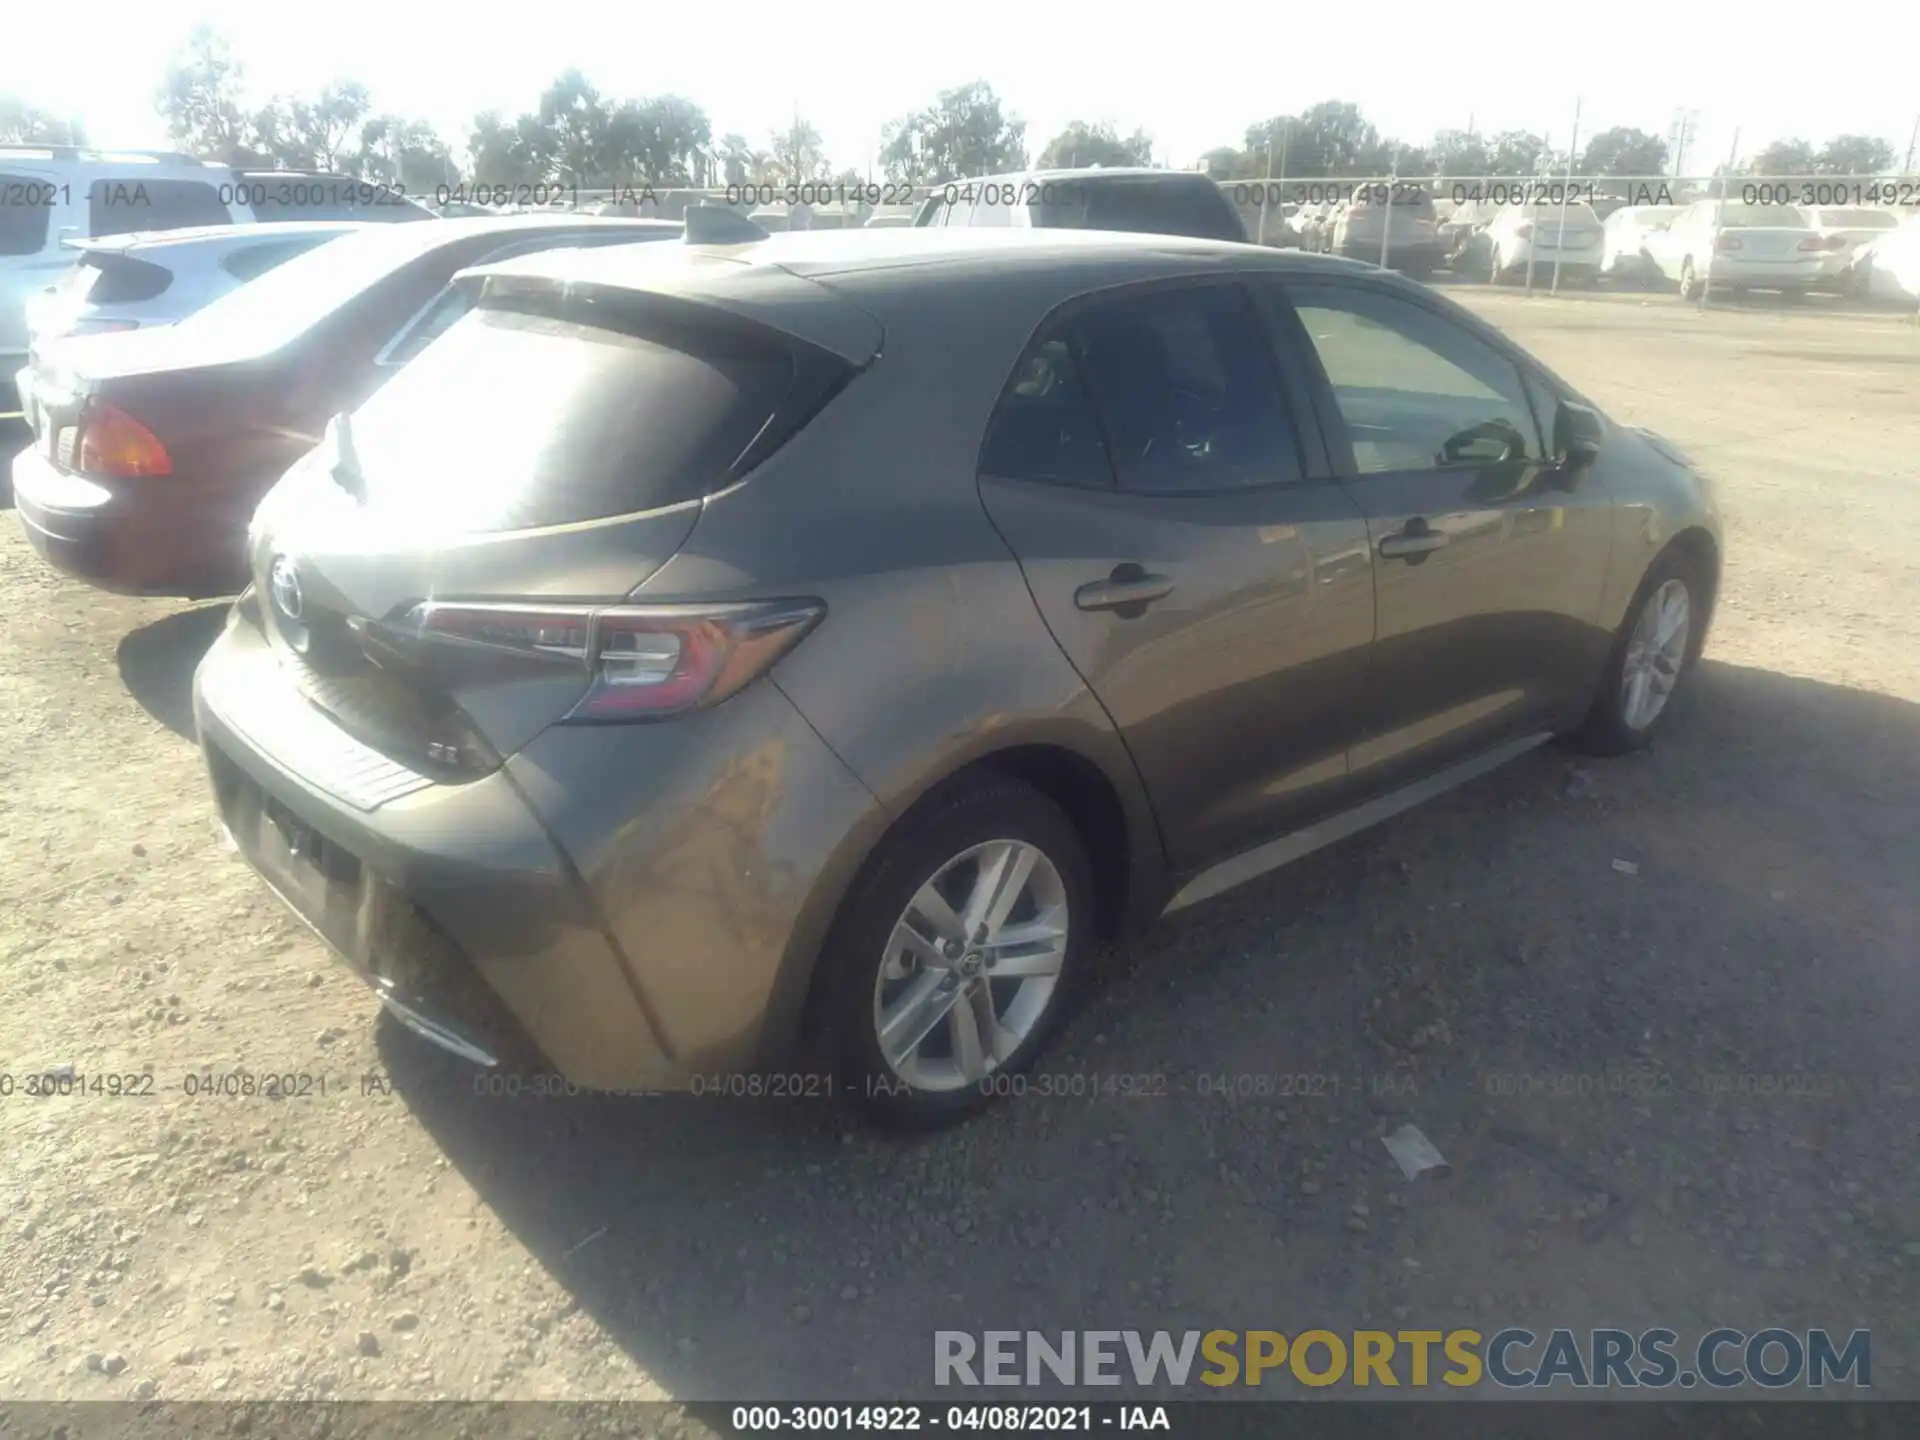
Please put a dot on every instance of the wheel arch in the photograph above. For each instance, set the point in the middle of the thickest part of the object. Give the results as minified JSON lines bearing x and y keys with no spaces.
{"x":1109,"y":812}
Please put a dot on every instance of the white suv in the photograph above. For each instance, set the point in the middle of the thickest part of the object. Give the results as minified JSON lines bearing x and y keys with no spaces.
{"x":51,"y":194}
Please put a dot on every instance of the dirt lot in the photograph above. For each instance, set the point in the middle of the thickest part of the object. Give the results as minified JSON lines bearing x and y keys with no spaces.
{"x":399,"y":1235}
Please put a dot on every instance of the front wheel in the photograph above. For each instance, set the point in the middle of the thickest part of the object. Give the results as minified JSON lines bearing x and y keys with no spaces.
{"x":956,"y":955}
{"x":1653,"y":653}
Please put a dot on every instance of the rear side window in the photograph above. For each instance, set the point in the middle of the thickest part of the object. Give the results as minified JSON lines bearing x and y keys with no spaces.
{"x":118,"y":207}
{"x":593,"y":408}
{"x":256,"y":260}
{"x":118,"y":280}
{"x":1187,"y":391}
{"x":1149,"y":206}
{"x":26,"y":209}
{"x":1044,"y":429}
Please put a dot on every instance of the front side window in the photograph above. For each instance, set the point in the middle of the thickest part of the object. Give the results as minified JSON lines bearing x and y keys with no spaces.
{"x":1415,"y":390}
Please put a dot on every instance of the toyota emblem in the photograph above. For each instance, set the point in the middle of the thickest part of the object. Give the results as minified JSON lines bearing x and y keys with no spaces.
{"x":284,"y":581}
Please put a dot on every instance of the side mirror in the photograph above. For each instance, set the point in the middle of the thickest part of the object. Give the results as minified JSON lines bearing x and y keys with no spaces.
{"x":1578,"y":433}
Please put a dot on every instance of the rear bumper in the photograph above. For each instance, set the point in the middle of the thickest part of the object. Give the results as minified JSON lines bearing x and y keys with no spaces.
{"x":1770,"y":275}
{"x":138,"y":537}
{"x":1401,"y":255}
{"x":639,"y":905}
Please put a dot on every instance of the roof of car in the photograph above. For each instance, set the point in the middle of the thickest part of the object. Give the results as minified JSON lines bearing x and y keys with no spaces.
{"x":237,"y":234}
{"x":822,"y":253}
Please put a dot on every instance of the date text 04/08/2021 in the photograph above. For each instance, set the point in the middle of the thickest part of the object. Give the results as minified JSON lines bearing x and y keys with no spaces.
{"x":957,"y":1419}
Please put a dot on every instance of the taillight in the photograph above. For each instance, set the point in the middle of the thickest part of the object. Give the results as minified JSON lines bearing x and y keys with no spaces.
{"x":644,"y":662}
{"x":1524,"y":230}
{"x":113,"y":444}
{"x":1724,"y":242}
{"x":1824,"y":242}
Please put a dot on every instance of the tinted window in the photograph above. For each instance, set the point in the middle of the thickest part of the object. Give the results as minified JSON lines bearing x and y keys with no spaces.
{"x":1416,"y":391}
{"x":438,"y":318}
{"x":1149,"y":205}
{"x":583,"y":420}
{"x":291,"y":298}
{"x":1044,"y":428}
{"x":1185,"y":388}
{"x":26,"y":208}
{"x":255,"y":260}
{"x":118,"y":207}
{"x":119,"y":280}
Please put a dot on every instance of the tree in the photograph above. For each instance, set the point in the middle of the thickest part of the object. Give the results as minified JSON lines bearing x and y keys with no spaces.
{"x":1784,"y":157}
{"x":1462,"y":153}
{"x":24,"y":124}
{"x":1517,"y":153}
{"x":500,"y":151}
{"x":963,"y":133}
{"x":1083,"y":144}
{"x":1223,"y":162}
{"x":1331,"y":138}
{"x":200,"y":99}
{"x":1625,"y":151}
{"x":406,"y":153}
{"x":1855,"y":155}
{"x":798,"y":154}
{"x":740,"y":163}
{"x":329,"y":126}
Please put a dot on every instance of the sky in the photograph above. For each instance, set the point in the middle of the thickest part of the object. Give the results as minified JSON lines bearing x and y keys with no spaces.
{"x":1193,"y":75}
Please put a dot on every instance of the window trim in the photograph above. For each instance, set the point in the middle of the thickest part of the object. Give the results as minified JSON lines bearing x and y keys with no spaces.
{"x":1309,"y":445}
{"x":1533,"y":376}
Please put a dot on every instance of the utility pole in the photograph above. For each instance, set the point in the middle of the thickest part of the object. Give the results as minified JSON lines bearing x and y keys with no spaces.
{"x":1913,"y":140}
{"x":1560,"y":240}
{"x":1733,"y":154}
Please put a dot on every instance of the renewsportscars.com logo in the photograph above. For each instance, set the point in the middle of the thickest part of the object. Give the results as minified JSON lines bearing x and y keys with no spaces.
{"x":1514,"y":1358}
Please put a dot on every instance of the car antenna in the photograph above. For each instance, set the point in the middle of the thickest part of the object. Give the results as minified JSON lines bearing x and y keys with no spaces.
{"x":345,"y":468}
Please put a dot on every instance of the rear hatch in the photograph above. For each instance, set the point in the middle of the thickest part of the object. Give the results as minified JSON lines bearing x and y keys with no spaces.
{"x":1767,"y":235}
{"x":1406,"y":213}
{"x":444,"y":575}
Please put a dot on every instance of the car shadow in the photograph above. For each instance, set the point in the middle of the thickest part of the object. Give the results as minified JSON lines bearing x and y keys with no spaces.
{"x":780,"y":1250}
{"x":14,"y":436}
{"x":157,"y":662}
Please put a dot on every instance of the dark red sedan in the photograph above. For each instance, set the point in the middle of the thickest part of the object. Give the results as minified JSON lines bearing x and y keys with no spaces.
{"x":152,"y":448}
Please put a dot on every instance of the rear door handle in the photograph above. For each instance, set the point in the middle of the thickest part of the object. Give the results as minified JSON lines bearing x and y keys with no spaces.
{"x":1416,"y":540}
{"x":1128,"y":588}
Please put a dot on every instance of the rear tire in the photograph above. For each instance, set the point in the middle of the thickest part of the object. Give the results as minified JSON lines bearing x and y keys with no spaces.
{"x":1646,"y":667}
{"x":1689,"y":282}
{"x":900,"y":957}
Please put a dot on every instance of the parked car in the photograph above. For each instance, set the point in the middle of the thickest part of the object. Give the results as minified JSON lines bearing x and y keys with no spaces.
{"x":130,"y":282}
{"x":1144,"y":201}
{"x":1846,"y":229}
{"x":1623,"y":244}
{"x":696,"y":724}
{"x":1315,"y":224}
{"x":1766,"y":247}
{"x":325,"y":195}
{"x":890,"y":217}
{"x":1401,"y":214}
{"x":1545,"y":234}
{"x":50,"y":194}
{"x":1888,"y":268}
{"x":152,"y":448}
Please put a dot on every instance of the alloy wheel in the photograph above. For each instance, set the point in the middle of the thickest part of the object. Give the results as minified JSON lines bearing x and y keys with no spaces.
{"x":1656,"y":651}
{"x":971,"y":966}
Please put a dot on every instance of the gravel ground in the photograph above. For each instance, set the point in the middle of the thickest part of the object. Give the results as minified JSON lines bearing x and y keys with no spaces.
{"x":1707,"y":951}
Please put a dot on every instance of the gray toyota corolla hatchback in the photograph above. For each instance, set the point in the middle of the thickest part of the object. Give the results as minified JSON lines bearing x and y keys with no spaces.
{"x":776,"y":668}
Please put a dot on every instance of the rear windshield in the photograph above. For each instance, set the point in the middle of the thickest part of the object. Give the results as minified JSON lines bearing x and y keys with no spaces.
{"x":26,"y":206}
{"x":1761,"y":217}
{"x":290,"y":299}
{"x":582,"y":421}
{"x":1149,"y":206}
{"x":1579,"y":213}
{"x":1860,"y":219}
